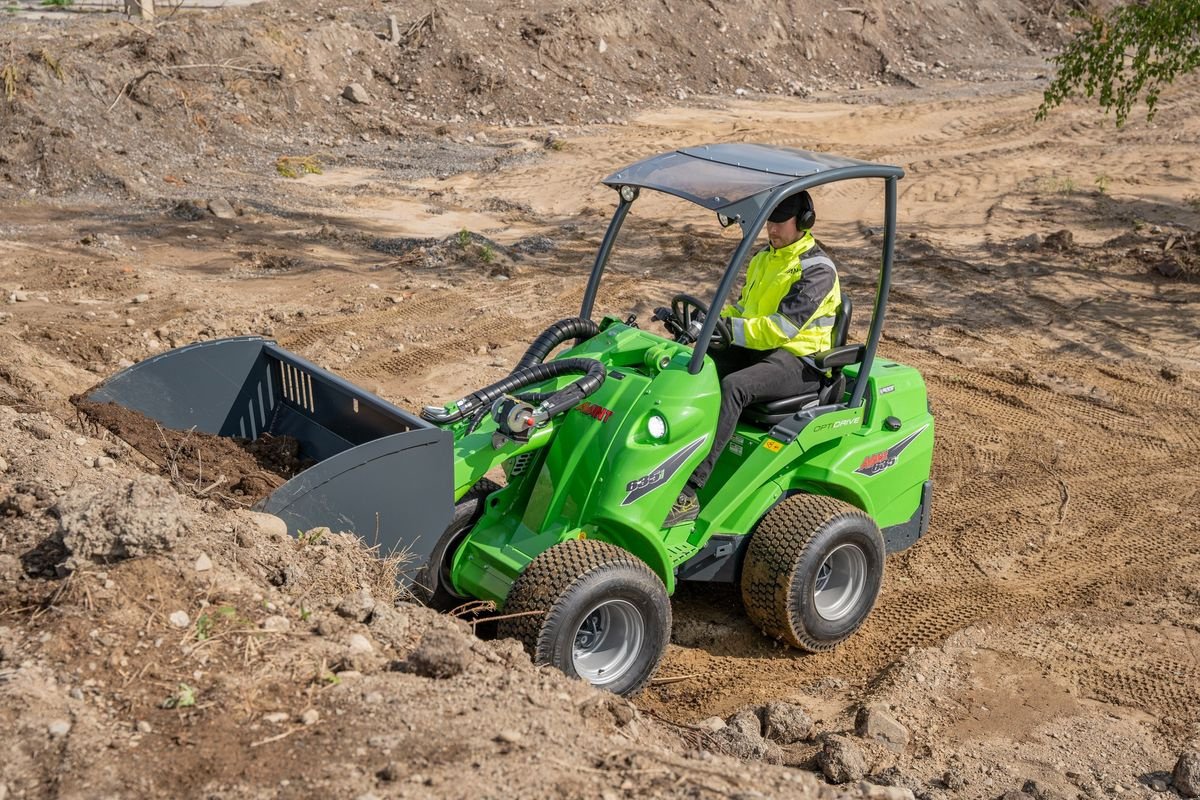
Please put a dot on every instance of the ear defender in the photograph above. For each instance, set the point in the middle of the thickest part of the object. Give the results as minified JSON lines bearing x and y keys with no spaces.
{"x":806,"y":215}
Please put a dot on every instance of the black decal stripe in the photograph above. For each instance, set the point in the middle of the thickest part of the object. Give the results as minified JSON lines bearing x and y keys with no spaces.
{"x":893,"y":453}
{"x":667,"y":469}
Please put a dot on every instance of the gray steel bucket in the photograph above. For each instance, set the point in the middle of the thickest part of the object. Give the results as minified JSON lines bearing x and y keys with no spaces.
{"x":381,"y":472}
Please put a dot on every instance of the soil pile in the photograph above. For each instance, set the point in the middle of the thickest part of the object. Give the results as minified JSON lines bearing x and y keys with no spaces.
{"x":91,"y":102}
{"x":238,"y":472}
{"x":142,"y":626}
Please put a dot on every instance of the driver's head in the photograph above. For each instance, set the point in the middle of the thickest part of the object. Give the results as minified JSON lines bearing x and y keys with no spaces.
{"x":790,"y":219}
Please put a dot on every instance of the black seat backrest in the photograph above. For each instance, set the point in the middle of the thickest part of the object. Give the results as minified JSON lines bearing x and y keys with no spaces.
{"x":841,"y":324}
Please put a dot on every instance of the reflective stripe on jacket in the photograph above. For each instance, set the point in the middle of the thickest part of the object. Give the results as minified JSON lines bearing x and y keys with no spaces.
{"x":790,"y":300}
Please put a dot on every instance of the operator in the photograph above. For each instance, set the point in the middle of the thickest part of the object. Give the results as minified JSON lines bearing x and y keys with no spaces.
{"x":786,"y":310}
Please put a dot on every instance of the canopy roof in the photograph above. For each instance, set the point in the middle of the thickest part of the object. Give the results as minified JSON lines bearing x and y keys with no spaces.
{"x":718,"y":175}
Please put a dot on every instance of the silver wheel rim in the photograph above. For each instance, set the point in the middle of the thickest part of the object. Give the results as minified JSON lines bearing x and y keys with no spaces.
{"x":841,"y":581}
{"x":608,"y":642}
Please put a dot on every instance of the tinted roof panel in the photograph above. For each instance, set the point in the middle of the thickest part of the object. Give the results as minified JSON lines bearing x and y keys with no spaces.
{"x":718,"y":175}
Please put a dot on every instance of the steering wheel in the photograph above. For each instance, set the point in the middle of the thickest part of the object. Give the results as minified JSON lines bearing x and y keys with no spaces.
{"x":689,"y":310}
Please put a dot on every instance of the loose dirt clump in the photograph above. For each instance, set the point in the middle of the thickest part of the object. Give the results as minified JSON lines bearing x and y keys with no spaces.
{"x":104,"y":523}
{"x":234,"y":471}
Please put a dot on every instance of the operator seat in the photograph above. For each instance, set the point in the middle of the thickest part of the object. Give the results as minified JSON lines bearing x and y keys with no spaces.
{"x":770,"y":413}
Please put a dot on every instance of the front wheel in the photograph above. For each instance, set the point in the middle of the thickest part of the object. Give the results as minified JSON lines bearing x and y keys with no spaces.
{"x":813,"y":569}
{"x":432,"y":585}
{"x":592,"y":610}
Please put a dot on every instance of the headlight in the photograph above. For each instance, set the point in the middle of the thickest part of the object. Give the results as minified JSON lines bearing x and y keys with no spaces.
{"x":629,"y":193}
{"x":657,"y":426}
{"x":725,"y":221}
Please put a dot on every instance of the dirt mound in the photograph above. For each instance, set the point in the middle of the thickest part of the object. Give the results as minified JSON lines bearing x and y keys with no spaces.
{"x":106,"y":523}
{"x":235,"y":471}
{"x":92,"y":101}
{"x":230,"y":659}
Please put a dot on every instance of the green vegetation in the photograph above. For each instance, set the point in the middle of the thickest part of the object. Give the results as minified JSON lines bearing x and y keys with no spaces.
{"x":296,"y":166}
{"x":184,"y":698}
{"x":464,"y":238}
{"x":486,"y":254}
{"x":1102,"y":182}
{"x":1130,"y":53}
{"x":311,"y":537}
{"x":58,"y":3}
{"x":206,"y":622}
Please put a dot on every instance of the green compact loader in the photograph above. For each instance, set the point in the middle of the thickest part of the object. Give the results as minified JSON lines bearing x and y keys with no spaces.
{"x":596,"y":443}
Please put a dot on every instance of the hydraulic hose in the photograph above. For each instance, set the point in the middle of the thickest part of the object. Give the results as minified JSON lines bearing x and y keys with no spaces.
{"x":552,"y":337}
{"x":593,"y":376}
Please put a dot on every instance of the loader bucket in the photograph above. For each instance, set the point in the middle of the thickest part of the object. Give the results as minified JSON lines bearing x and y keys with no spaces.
{"x":381,"y":472}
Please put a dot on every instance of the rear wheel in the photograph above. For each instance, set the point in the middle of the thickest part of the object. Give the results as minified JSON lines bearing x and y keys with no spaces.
{"x":432,"y":585}
{"x":813,"y":570}
{"x":605,"y":616}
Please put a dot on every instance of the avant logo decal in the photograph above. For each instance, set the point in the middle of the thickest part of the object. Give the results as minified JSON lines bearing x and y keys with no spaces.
{"x":873,"y":465}
{"x":594,"y":411}
{"x":642,"y":486}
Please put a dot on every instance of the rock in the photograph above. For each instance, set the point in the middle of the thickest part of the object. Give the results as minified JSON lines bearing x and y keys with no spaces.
{"x":1030,"y":242}
{"x":59,"y":727}
{"x":1159,"y":785}
{"x":360,"y":644}
{"x":785,"y":723}
{"x":19,"y":296}
{"x":734,"y":742}
{"x":143,"y":726}
{"x":873,"y":723}
{"x":3,"y":465}
{"x":953,"y":780}
{"x":877,"y":792}
{"x":276,"y":717}
{"x":391,"y":627}
{"x":841,"y":760}
{"x":102,"y":462}
{"x":1186,"y":775}
{"x":440,"y":654}
{"x":179,"y":619}
{"x":203,"y":563}
{"x":355,"y":93}
{"x":221,"y":208}
{"x":357,"y":606}
{"x":310,"y":717}
{"x":508,"y":736}
{"x":141,"y":298}
{"x":121,"y":519}
{"x":746,"y":722}
{"x":1015,"y":795}
{"x":390,"y":773}
{"x":269,"y":525}
{"x":18,"y":504}
{"x":711,"y":724}
{"x":1060,"y":240}
{"x":277,"y":623}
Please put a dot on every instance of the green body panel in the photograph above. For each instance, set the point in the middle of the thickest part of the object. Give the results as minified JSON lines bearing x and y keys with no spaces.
{"x":596,"y":471}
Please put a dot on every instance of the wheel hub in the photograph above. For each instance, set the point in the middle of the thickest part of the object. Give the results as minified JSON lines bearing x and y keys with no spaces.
{"x":840,"y":583}
{"x":608,"y":641}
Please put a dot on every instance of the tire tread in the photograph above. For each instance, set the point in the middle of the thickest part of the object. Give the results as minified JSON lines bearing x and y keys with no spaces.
{"x":772,"y":558}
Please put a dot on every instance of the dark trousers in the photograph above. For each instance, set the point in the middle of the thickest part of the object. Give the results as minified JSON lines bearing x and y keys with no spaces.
{"x":751,"y":376}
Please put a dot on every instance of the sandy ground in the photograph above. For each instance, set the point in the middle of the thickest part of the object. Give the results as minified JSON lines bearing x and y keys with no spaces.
{"x":1046,"y":629}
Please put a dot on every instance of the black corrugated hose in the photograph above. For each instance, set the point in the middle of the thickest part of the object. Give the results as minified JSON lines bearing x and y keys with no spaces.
{"x":556,"y":334}
{"x":593,"y":377}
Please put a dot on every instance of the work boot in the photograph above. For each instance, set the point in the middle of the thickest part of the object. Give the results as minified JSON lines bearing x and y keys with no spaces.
{"x":685,"y":508}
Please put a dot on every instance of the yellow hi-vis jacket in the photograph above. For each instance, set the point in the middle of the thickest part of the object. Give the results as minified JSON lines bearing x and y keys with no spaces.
{"x":790,"y":300}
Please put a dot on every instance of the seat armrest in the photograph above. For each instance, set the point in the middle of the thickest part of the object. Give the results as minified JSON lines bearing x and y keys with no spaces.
{"x":837,"y":357}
